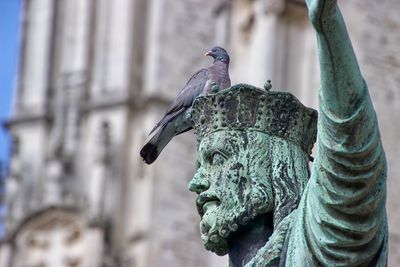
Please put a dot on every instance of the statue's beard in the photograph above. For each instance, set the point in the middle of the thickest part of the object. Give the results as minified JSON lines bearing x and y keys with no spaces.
{"x":222,"y":218}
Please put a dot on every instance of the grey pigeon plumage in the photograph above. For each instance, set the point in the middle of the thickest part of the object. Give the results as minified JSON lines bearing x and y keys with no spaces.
{"x":175,"y":120}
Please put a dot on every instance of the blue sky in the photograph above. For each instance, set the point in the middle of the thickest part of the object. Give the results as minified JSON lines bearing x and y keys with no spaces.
{"x":9,"y":30}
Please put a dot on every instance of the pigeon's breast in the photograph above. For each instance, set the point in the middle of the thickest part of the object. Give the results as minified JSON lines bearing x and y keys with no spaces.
{"x":219,"y":74}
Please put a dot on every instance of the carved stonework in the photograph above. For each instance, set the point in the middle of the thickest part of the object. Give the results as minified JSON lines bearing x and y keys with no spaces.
{"x":274,"y":6}
{"x":13,"y":183}
{"x":63,"y":141}
{"x":54,"y":174}
{"x":102,"y":172}
{"x":104,"y":139}
{"x":55,"y":238}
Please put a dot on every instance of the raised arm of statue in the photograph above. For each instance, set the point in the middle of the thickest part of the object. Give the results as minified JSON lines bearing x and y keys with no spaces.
{"x":341,"y":219}
{"x":342,"y":85}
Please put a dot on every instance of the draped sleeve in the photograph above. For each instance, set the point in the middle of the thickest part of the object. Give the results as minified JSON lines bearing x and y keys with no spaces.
{"x":341,"y":219}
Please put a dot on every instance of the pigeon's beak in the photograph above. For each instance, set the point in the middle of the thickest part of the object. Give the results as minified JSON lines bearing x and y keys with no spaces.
{"x":208,"y":53}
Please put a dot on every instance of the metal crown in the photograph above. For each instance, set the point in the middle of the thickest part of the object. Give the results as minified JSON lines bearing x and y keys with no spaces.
{"x":245,"y":107}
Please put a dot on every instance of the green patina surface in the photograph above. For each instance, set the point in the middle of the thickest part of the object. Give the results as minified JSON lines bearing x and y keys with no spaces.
{"x":253,"y":160}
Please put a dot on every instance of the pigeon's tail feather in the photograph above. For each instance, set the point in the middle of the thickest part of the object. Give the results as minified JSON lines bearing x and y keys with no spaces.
{"x":177,"y":125}
{"x":153,"y":148}
{"x":149,"y":153}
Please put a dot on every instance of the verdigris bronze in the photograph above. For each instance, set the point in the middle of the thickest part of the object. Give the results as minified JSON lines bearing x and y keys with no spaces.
{"x":258,"y":199}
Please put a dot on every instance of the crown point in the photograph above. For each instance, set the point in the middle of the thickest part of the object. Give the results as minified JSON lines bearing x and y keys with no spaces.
{"x":214,"y":88}
{"x":268,"y":85}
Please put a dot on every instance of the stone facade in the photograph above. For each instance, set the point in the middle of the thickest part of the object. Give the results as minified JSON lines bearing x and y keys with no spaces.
{"x":94,"y":77}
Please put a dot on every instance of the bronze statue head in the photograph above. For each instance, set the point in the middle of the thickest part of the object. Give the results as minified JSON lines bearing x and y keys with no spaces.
{"x":253,"y":149}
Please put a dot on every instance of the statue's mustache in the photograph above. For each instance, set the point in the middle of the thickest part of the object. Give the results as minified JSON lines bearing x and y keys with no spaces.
{"x":204,"y":198}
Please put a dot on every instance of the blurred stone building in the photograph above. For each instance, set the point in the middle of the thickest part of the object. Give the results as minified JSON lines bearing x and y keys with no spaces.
{"x":94,"y":77}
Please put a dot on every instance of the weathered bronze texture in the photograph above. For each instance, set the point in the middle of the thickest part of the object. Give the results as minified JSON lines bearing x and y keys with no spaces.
{"x":258,"y":199}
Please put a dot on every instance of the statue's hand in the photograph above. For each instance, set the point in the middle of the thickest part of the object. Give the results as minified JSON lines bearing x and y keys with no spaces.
{"x":321,"y":11}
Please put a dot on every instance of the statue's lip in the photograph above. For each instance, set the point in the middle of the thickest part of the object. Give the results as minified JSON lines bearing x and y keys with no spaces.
{"x":205,"y":200}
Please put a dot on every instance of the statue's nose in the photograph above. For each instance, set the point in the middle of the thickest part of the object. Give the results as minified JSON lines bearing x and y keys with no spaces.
{"x":199,"y":183}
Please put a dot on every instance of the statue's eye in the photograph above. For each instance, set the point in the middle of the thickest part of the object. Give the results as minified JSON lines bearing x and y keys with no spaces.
{"x":217,"y":158}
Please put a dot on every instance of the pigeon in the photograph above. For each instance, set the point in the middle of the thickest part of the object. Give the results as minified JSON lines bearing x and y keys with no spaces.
{"x":175,"y":120}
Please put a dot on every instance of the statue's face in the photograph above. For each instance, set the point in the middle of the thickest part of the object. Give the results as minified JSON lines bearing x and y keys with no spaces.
{"x":233,"y":184}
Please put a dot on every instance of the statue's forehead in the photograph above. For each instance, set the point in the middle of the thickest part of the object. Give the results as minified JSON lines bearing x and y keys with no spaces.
{"x":230,"y":140}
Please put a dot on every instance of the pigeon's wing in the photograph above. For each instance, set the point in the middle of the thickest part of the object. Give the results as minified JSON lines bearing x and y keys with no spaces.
{"x":193,"y":88}
{"x":190,"y":91}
